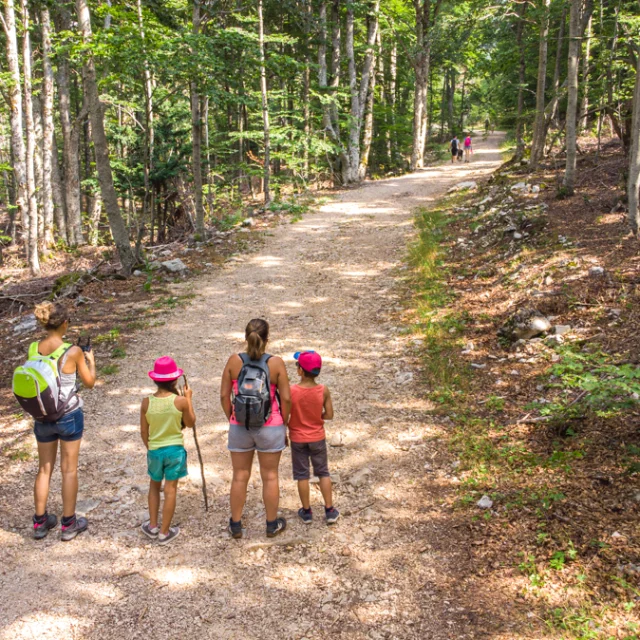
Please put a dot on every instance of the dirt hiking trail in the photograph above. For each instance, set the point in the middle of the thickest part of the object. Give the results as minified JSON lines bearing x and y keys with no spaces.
{"x":326,"y":283}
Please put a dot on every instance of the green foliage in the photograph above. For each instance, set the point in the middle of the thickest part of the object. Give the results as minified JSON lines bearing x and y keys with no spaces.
{"x":109,"y":336}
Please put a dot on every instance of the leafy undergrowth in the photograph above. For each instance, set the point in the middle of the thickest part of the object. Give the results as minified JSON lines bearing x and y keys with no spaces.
{"x":547,"y":428}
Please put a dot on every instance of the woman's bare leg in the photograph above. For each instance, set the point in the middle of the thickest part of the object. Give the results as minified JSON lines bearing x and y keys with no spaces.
{"x":47,"y":452}
{"x":270,"y":482}
{"x":241,"y":463}
{"x":69,"y":452}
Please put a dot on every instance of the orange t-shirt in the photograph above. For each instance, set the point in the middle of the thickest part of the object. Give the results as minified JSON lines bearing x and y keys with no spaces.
{"x":306,"y":423}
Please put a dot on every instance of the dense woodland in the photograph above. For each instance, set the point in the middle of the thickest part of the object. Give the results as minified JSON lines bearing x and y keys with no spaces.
{"x":134,"y":121}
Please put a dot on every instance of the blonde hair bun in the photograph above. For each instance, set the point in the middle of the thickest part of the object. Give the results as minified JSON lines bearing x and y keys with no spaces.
{"x":51,"y":315}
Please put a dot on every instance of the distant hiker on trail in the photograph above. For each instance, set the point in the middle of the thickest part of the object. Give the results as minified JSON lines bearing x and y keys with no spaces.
{"x":310,"y":407}
{"x":162,"y":417}
{"x":46,"y":387}
{"x":455,"y":146}
{"x":487,"y":125}
{"x":468,"y":148}
{"x":256,"y":399}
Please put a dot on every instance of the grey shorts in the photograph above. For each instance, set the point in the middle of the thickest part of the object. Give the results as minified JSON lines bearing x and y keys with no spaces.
{"x":265,"y":439}
{"x":304,"y":452}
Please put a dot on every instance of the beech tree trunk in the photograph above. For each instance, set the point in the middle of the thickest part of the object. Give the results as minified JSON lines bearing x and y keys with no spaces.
{"x":539,"y":127}
{"x":47,"y":128}
{"x":60,"y":208}
{"x":555,"y":101}
{"x":147,"y":204}
{"x":335,"y":64}
{"x":103,"y":164}
{"x":70,"y":139}
{"x":34,"y":262}
{"x":576,"y":30}
{"x":633,"y":183}
{"x":196,"y":135}
{"x":426,"y":16}
{"x":522,"y":69}
{"x":15,"y":105}
{"x":367,"y":135}
{"x":393,"y":75}
{"x":586,"y":60}
{"x":265,"y":109}
{"x":359,"y":94}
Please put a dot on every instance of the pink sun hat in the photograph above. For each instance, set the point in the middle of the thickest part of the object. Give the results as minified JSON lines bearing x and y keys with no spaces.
{"x":165,"y":369}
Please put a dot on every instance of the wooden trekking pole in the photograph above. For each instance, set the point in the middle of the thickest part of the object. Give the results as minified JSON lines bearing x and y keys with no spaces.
{"x":195,"y":439}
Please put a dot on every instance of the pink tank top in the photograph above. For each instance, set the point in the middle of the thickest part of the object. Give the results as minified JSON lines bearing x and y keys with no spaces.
{"x":275,"y":419}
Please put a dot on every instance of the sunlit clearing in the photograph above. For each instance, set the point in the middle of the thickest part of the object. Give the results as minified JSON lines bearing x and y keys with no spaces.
{"x":267,"y":261}
{"x":44,"y":626}
{"x":130,"y":428}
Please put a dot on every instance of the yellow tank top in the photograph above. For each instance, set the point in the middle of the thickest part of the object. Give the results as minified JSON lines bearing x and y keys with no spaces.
{"x":165,"y":423}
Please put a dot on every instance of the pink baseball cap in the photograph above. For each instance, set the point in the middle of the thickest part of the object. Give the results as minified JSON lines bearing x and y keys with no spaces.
{"x":310,"y":361}
{"x":165,"y":369}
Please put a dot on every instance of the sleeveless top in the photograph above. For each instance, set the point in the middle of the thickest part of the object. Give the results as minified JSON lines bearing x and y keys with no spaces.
{"x":68,"y":383}
{"x":165,"y":423}
{"x":275,"y":419}
{"x":306,"y":423}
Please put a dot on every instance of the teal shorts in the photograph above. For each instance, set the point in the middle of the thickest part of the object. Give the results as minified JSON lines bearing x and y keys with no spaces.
{"x":169,"y":463}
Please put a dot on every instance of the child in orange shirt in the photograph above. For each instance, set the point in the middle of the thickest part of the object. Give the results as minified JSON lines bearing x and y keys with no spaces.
{"x":310,"y":407}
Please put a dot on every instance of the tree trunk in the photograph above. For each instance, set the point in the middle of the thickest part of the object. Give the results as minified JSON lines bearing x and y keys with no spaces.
{"x":522,"y":69}
{"x":34,"y":262}
{"x":60,"y":208}
{"x":555,"y":101}
{"x":196,"y":135}
{"x":103,"y":165}
{"x":47,"y":128}
{"x":572,"y":95}
{"x":367,"y":136}
{"x":426,"y":16}
{"x":15,"y":104}
{"x":70,"y":138}
{"x":335,"y":65}
{"x":265,"y":108}
{"x":95,"y":212}
{"x":450,"y":99}
{"x":306,"y":115}
{"x":539,"y":127}
{"x":393,"y":75}
{"x":586,"y":60}
{"x":149,"y":130}
{"x":633,"y":184}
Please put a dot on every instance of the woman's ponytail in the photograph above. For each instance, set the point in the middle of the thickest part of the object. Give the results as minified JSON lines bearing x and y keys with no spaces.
{"x":256,"y":335}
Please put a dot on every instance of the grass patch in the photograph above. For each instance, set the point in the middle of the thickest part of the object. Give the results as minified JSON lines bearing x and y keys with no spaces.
{"x":109,"y":336}
{"x":109,"y":370}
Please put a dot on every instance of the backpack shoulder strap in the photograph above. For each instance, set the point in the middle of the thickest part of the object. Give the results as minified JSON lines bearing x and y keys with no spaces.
{"x":244,"y":357}
{"x":60,"y":351}
{"x":33,"y":350}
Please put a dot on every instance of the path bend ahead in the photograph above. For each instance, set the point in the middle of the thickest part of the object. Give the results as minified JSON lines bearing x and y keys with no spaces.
{"x":326,"y":283}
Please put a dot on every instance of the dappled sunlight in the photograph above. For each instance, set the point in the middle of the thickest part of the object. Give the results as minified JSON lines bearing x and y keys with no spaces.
{"x":45,"y":626}
{"x":177,"y":577}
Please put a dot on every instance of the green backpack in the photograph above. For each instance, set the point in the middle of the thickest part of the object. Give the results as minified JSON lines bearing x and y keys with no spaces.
{"x":36,"y":384}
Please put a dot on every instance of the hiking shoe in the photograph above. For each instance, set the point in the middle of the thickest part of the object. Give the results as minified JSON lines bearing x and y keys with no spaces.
{"x":148,"y":531}
{"x":331,"y":515}
{"x":173,"y":533}
{"x":70,"y":531}
{"x":306,"y":515}
{"x":41,"y":529}
{"x":235,"y":529}
{"x":276,"y":527}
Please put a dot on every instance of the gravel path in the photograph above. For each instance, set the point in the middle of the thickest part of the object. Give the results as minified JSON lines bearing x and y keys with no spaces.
{"x":327,"y":282}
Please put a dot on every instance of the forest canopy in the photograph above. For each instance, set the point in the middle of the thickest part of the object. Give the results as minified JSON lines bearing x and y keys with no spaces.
{"x":134,"y":121}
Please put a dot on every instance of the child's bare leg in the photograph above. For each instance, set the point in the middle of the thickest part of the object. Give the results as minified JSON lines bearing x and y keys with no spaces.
{"x":325,"y":489}
{"x":303,"y":492}
{"x":154,"y":503}
{"x":169,"y":507}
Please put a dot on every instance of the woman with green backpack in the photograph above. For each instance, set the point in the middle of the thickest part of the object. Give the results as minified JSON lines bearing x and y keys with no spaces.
{"x":46,"y":386}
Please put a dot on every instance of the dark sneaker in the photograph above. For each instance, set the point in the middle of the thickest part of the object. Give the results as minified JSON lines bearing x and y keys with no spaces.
{"x":173,"y":533}
{"x":305,"y":515}
{"x":41,"y":529}
{"x":331,"y":515}
{"x":70,"y":531}
{"x":148,"y":531}
{"x":276,"y":527}
{"x":235,"y":529}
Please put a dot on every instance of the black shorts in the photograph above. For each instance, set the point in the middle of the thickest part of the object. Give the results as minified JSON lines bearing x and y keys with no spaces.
{"x":454,"y":152}
{"x":303,"y":452}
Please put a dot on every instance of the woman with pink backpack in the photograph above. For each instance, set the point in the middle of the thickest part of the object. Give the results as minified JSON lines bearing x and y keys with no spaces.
{"x":468,"y":148}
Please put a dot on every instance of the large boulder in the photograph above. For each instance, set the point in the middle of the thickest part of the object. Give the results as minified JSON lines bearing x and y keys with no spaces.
{"x":174,"y":266}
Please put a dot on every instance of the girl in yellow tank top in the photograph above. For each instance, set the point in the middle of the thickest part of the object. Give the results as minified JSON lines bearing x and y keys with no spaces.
{"x":162,"y":418}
